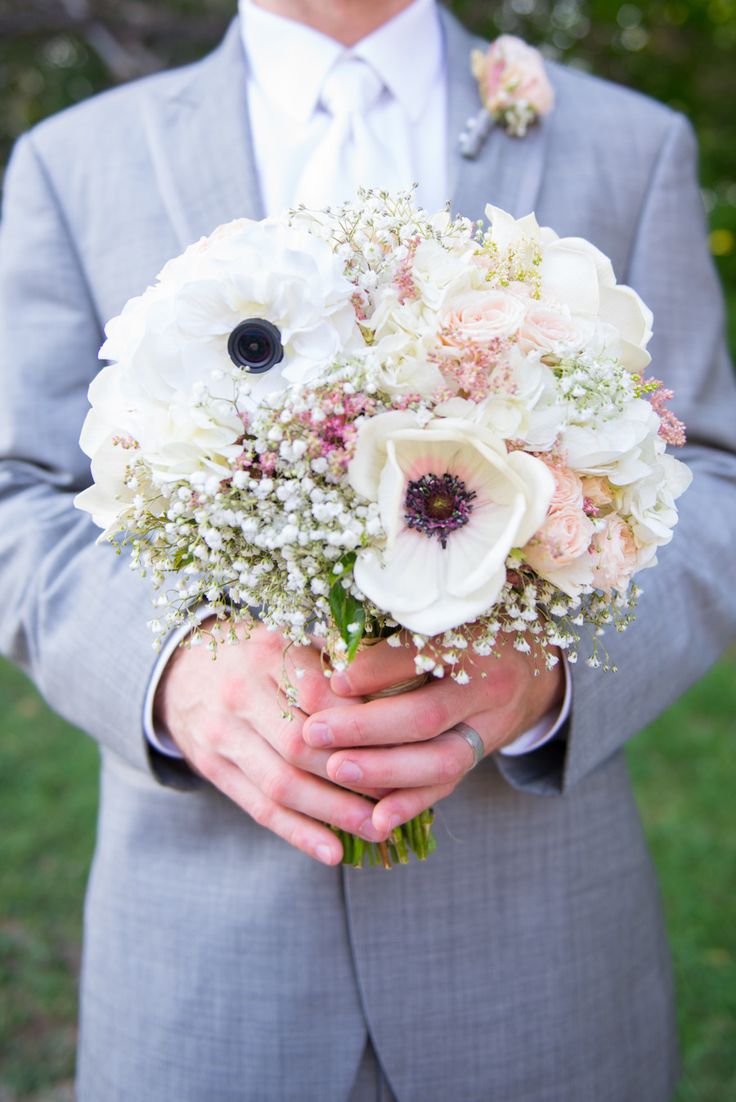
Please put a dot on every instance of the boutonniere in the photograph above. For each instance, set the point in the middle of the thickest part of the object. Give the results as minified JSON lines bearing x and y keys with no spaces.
{"x":514,"y":90}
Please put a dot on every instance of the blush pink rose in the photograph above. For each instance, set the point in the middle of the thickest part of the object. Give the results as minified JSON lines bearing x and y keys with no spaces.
{"x":511,"y":72}
{"x":479,"y":317}
{"x":544,"y":328}
{"x":615,"y":556}
{"x":568,"y":490}
{"x":597,"y":495}
{"x":564,"y":537}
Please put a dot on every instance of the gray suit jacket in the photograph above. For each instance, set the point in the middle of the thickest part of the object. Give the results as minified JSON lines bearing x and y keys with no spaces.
{"x":526,"y":962}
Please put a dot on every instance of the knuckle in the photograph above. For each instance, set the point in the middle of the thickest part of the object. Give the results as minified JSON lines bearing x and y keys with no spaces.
{"x":449,"y":766}
{"x":215,"y":736}
{"x":311,"y":693}
{"x":272,"y":644}
{"x":211,"y":767}
{"x":293,"y":746}
{"x":261,"y":812}
{"x":504,"y":687}
{"x":431,"y":718}
{"x":232,"y":692}
{"x":297,"y":838}
{"x":279,"y":785}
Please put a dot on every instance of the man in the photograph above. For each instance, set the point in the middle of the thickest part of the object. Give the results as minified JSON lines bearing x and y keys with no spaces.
{"x":526,"y":961}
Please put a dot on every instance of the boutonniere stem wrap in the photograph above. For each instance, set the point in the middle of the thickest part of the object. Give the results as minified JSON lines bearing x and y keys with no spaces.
{"x":514,"y":90}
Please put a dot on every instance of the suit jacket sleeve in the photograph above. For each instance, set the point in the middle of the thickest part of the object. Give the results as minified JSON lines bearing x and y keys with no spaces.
{"x":687,"y":612}
{"x":72,"y":613}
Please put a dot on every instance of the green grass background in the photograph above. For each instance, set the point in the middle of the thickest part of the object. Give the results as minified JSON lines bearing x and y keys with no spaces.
{"x":684,"y":770}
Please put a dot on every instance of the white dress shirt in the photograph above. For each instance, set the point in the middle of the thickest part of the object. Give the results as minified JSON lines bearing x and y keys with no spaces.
{"x":287,"y":64}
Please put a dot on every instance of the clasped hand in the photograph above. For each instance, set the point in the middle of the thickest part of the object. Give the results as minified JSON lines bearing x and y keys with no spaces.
{"x":363,"y":766}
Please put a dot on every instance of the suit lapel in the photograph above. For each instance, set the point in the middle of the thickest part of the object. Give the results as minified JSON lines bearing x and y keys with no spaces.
{"x":199,"y":141}
{"x":508,"y":171}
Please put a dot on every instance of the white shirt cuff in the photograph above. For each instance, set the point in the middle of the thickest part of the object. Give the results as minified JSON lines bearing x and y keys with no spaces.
{"x":547,"y":727}
{"x":162,"y":740}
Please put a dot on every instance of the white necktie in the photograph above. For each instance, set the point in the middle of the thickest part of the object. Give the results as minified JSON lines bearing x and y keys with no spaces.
{"x":349,"y":154}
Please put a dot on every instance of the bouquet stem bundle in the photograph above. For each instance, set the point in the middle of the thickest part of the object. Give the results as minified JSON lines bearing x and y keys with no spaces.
{"x":413,"y":837}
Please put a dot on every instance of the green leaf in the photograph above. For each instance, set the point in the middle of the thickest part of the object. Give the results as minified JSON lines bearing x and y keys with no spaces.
{"x":348,"y":613}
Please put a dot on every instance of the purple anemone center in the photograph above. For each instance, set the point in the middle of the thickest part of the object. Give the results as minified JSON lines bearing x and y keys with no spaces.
{"x":438,"y":504}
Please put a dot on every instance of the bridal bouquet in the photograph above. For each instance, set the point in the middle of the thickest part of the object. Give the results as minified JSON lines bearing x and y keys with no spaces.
{"x":370,"y":419}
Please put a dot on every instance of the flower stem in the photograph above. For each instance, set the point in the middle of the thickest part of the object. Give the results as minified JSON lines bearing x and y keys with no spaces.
{"x":414,"y":836}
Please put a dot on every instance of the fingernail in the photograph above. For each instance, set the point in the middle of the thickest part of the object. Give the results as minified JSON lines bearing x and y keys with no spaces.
{"x":368,"y":831}
{"x":340,"y":682}
{"x":348,"y":771}
{"x":324,"y":854}
{"x":319,"y":734}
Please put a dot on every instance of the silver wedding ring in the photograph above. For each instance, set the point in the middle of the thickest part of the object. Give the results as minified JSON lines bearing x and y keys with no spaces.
{"x":473,"y":739}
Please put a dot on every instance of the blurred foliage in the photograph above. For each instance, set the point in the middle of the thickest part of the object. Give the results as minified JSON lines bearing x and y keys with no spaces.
{"x":57,"y":52}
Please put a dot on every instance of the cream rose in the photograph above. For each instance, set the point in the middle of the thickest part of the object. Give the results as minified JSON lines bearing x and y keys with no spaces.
{"x":479,"y":317}
{"x":547,"y":328}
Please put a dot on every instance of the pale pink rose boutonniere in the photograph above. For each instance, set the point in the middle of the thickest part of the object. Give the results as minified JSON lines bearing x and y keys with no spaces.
{"x":514,"y":89}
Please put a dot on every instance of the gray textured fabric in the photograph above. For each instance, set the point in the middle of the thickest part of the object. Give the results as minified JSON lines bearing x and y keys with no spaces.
{"x":370,"y":1083}
{"x":526,"y":962}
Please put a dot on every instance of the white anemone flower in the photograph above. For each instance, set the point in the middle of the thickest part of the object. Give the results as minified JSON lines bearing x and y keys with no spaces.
{"x":453,"y":504}
{"x":172,"y":385}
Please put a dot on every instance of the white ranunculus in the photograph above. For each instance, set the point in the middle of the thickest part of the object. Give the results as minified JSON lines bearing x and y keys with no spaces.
{"x":581,"y":277}
{"x":453,"y":503}
{"x":402,"y":331}
{"x":439,"y":274}
{"x":397,"y":373}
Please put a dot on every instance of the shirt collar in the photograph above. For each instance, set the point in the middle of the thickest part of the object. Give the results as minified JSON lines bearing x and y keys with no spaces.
{"x":408,"y":54}
{"x":272,"y":43}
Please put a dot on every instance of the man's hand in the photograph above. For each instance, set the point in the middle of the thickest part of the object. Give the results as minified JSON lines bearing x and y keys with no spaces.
{"x":398,"y":742}
{"x":226,"y":717}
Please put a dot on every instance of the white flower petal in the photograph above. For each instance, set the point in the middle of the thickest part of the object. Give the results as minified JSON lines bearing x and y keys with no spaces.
{"x":409,"y":575}
{"x":570,"y":277}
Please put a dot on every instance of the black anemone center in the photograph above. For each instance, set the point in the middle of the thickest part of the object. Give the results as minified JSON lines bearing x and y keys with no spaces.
{"x":255,"y":344}
{"x":437,"y":505}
